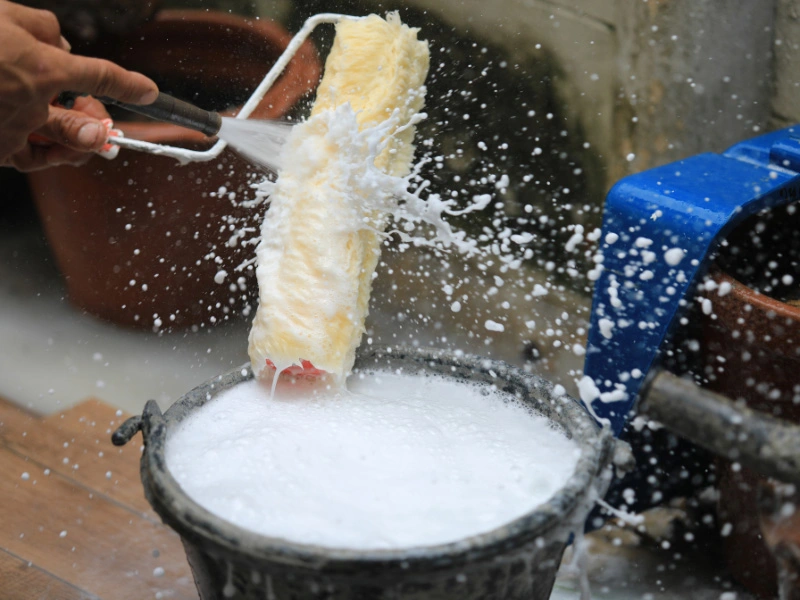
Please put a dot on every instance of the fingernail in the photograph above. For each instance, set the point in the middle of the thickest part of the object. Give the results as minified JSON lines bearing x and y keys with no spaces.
{"x":89,"y":134}
{"x":65,"y":45}
{"x":109,"y":153}
{"x":149,"y":97}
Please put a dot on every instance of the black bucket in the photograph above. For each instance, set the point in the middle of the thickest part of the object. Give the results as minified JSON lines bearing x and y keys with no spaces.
{"x":518,"y":560}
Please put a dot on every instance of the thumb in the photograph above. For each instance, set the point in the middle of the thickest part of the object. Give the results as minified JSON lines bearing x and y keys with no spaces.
{"x":74,"y":129}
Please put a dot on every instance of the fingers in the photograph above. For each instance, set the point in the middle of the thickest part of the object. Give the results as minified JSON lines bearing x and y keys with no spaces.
{"x":61,"y":155}
{"x":29,"y":158}
{"x":36,"y":158}
{"x":67,"y":138}
{"x":41,"y":24}
{"x":91,"y":106}
{"x":98,"y":77}
{"x":74,"y":129}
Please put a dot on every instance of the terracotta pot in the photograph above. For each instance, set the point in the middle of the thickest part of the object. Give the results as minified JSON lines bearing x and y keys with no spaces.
{"x":753,"y":354}
{"x":85,"y":21}
{"x":141,"y":236}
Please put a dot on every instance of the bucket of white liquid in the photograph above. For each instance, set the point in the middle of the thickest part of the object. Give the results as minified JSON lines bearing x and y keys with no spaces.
{"x":331,"y":551}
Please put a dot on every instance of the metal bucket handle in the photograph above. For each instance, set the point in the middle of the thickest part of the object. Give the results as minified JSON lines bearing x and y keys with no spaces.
{"x":151,"y":418}
{"x":757,"y":440}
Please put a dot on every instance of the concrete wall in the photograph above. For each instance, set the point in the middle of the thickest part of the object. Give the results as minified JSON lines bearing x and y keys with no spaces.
{"x":579,"y":35}
{"x":696,"y":74}
{"x":656,"y":79}
{"x":786,"y":99}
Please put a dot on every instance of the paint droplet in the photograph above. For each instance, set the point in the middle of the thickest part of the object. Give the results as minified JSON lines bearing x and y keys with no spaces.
{"x":674,"y":256}
{"x":494,"y":326}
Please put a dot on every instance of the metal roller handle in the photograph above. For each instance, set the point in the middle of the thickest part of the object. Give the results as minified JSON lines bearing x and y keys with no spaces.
{"x":758,"y":441}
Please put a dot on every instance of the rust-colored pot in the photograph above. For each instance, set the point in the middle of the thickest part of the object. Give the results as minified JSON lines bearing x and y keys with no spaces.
{"x":758,"y":338}
{"x":140,"y":235}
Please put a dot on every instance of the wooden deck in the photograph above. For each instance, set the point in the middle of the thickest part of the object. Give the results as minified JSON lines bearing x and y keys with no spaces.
{"x":74,"y":521}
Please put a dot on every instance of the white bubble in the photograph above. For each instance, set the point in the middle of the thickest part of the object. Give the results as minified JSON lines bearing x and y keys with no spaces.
{"x":674,"y":256}
{"x":606,"y":328}
{"x":493,"y":325}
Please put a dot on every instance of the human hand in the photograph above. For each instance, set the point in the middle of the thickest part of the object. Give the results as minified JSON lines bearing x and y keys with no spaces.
{"x":35,"y":66}
{"x":68,"y":137}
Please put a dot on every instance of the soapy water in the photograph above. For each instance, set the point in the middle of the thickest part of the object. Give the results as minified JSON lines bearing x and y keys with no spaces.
{"x":259,"y":141}
{"x":395,"y":461}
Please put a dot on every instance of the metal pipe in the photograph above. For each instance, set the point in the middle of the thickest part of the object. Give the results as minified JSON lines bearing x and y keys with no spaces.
{"x":758,"y":441}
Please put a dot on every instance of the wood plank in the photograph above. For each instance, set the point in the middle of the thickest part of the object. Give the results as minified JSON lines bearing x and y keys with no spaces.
{"x":15,"y":419}
{"x":24,"y":581}
{"x":77,"y":444}
{"x":82,"y":537}
{"x":87,"y":416}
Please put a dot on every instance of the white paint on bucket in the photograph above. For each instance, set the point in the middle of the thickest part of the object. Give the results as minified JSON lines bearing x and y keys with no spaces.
{"x":395,"y":461}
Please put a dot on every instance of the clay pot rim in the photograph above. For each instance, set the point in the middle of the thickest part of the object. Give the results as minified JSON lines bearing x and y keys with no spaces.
{"x":756,"y":299}
{"x":285,"y":90}
{"x":768,"y":320}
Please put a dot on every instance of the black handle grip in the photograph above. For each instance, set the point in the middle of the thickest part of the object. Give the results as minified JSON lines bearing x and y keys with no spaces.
{"x":166,"y":108}
{"x":170,"y":109}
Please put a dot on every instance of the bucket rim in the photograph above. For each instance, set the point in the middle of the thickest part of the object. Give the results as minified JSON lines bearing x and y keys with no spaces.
{"x":561,"y":513}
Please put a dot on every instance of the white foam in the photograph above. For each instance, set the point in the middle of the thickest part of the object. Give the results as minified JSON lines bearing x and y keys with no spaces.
{"x":396,"y":461}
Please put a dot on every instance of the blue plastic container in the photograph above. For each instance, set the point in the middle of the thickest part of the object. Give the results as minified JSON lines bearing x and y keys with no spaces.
{"x":660,"y":231}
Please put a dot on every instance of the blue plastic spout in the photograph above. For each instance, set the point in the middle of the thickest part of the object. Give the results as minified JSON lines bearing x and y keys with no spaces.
{"x":660,"y":230}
